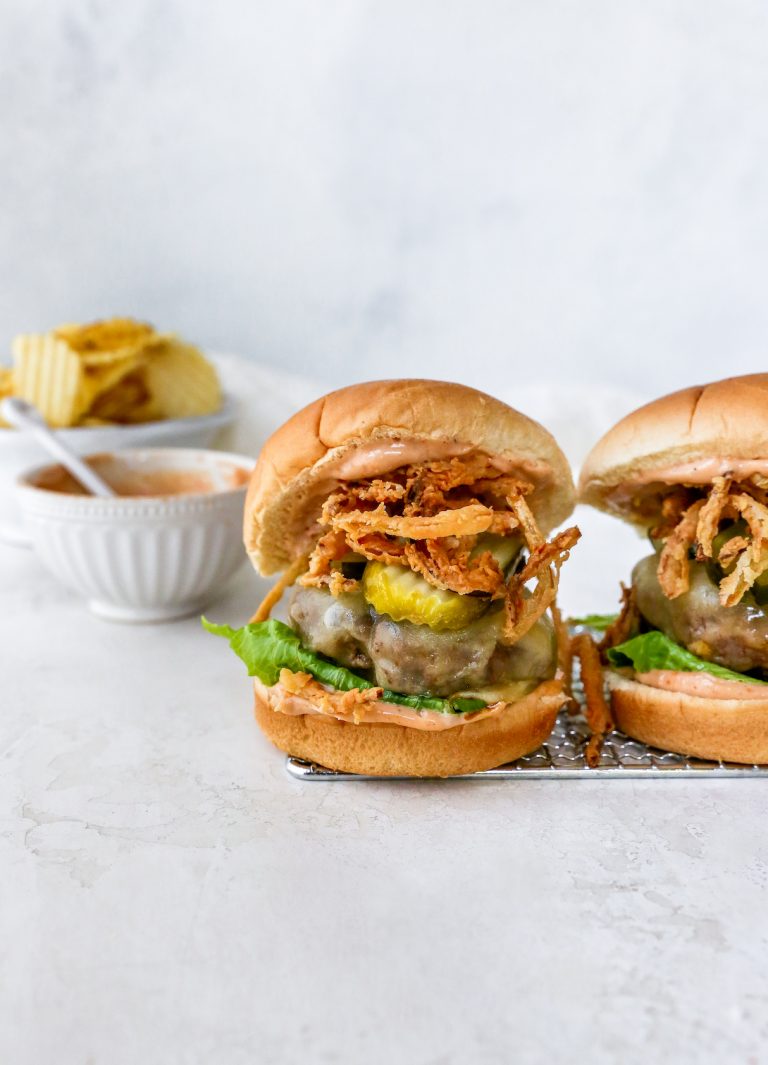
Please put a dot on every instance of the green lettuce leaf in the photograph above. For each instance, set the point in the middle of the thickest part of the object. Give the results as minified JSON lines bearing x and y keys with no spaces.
{"x":266,"y":647}
{"x":655,"y":650}
{"x":600,"y":622}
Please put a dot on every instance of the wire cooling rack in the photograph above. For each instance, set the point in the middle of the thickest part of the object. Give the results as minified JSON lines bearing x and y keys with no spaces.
{"x":562,"y":758}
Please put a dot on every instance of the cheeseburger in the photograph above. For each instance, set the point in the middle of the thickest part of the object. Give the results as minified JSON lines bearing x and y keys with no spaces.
{"x":687,"y":657}
{"x":409,"y":521}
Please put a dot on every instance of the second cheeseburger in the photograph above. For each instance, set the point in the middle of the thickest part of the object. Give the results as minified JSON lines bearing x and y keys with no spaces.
{"x":688,"y":655}
{"x":410,"y":519}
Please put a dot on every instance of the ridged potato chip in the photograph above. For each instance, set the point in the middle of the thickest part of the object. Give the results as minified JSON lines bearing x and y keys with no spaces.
{"x":63,"y":372}
{"x":124,"y":402}
{"x":114,"y":336}
{"x":49,"y":374}
{"x":113,"y":371}
{"x":180,"y":382}
{"x":63,"y":383}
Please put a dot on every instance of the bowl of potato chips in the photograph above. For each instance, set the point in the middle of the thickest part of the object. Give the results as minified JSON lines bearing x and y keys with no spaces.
{"x":104,"y":386}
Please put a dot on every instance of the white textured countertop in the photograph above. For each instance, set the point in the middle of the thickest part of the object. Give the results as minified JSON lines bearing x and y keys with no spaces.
{"x":169,"y":895}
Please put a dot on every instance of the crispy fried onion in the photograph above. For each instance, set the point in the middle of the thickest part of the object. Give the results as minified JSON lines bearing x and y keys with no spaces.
{"x":337,"y":703}
{"x":730,"y":551}
{"x":330,"y":548}
{"x":596,"y":709}
{"x":674,"y":569}
{"x":277,"y":589}
{"x":429,"y":488}
{"x":377,"y":547}
{"x":463,"y":521}
{"x":673,"y":506}
{"x":752,"y":561}
{"x":696,"y":529}
{"x":543,"y":565}
{"x":350,"y":496}
{"x":564,"y":657}
{"x":446,"y":563}
{"x":428,"y":518}
{"x":627,"y":624}
{"x":425,"y":517}
{"x":708,"y":520}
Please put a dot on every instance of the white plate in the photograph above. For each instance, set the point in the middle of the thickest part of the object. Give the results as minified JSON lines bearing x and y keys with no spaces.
{"x":18,"y":452}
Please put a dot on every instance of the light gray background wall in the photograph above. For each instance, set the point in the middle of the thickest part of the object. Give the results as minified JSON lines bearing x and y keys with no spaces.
{"x":480,"y":190}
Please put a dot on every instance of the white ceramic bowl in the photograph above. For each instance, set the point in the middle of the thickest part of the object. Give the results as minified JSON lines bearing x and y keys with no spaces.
{"x":142,"y":558}
{"x":18,"y":452}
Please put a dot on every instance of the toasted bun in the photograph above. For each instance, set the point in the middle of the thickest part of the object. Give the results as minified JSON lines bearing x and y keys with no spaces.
{"x":299,"y":465}
{"x":731,"y":730}
{"x":397,"y":750}
{"x":723,"y":421}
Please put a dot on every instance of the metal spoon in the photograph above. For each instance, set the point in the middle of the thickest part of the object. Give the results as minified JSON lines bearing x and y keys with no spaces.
{"x":23,"y":415}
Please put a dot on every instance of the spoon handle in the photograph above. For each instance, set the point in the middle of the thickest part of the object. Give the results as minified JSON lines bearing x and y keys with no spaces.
{"x":23,"y":416}
{"x":87,"y":477}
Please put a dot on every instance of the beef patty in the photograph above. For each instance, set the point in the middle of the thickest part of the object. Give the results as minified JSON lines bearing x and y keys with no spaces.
{"x":414,"y":659}
{"x":732,"y":636}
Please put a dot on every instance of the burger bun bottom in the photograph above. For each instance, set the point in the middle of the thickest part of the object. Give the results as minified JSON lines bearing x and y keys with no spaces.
{"x":385,"y":750}
{"x":728,"y":730}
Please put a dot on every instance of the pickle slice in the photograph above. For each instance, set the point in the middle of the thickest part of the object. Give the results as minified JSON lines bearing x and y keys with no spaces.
{"x":404,"y":596}
{"x":503,"y":548}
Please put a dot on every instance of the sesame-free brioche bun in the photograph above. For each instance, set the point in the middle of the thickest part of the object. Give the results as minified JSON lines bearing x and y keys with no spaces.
{"x":703,"y":430}
{"x":398,"y":750}
{"x":370,"y":429}
{"x":731,"y":730}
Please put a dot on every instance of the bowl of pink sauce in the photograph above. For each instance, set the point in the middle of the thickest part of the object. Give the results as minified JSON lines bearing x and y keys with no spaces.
{"x":161,"y":549}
